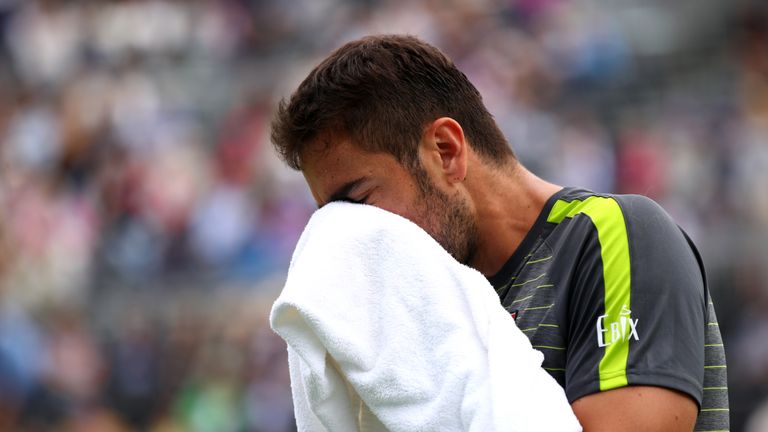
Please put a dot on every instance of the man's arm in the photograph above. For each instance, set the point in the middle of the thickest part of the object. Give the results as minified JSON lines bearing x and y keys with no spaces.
{"x":637,"y":320}
{"x":636,"y":408}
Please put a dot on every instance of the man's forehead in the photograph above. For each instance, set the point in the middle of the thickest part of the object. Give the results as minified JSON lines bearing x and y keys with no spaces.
{"x":323,"y":148}
{"x":326,"y":164}
{"x":322,"y":155}
{"x":318,"y":147}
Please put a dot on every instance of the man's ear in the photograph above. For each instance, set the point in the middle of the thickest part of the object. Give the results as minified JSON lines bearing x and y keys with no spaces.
{"x":445,"y":140}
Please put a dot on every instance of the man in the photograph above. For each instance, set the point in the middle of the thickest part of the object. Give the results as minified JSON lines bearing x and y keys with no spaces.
{"x":606,"y":286}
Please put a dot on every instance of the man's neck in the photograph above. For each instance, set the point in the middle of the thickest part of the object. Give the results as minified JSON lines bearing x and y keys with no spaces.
{"x":507,"y":204}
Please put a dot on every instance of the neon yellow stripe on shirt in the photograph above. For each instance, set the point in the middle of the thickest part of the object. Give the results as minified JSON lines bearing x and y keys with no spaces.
{"x":608,"y":219}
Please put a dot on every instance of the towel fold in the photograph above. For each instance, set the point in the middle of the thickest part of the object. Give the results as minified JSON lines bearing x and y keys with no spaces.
{"x":386,"y":331}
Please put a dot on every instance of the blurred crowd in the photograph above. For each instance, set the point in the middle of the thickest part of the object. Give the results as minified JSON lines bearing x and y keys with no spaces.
{"x":146,"y":225}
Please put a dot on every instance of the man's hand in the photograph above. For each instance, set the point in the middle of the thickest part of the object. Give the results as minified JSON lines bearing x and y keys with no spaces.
{"x":636,"y":408}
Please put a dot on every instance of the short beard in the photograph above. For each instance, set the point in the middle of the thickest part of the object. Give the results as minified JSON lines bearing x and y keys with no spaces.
{"x":447,"y":219}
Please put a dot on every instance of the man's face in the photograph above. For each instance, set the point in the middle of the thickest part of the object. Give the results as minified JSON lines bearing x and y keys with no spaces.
{"x":343,"y":172}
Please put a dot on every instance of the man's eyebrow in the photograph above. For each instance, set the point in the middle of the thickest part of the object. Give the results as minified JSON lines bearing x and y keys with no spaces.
{"x":341,"y":193}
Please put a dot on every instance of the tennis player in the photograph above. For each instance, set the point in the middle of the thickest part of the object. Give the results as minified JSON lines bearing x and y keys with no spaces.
{"x":608,"y":287}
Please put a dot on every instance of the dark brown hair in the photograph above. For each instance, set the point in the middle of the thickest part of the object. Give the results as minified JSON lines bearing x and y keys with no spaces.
{"x":381,"y":91}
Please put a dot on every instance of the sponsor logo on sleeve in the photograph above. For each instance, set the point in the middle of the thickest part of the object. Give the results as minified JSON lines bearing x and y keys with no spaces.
{"x":613,"y":329}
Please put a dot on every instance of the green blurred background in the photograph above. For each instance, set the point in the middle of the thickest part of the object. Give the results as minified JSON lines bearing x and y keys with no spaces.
{"x":146,"y":225}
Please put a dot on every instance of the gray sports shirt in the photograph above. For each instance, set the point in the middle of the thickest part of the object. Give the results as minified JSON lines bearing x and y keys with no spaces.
{"x":614,"y":293}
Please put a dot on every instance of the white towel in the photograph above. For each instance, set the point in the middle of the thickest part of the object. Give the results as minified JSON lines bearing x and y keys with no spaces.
{"x":386,"y":331}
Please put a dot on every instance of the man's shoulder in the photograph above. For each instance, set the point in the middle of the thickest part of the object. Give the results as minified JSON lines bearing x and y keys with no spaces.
{"x":630,"y":204}
{"x":633,"y":215}
{"x":623,"y":234}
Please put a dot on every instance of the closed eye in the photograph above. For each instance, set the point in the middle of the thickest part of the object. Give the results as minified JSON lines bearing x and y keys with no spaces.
{"x":363,"y":200}
{"x":343,"y":192}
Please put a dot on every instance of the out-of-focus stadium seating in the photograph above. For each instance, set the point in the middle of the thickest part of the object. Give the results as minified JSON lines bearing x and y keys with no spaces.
{"x":146,"y":225}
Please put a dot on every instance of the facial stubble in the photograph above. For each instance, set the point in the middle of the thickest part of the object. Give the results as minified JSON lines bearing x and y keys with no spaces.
{"x":448,"y":219}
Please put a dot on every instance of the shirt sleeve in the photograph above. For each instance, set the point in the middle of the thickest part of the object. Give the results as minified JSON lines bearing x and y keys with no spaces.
{"x":637,"y":310}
